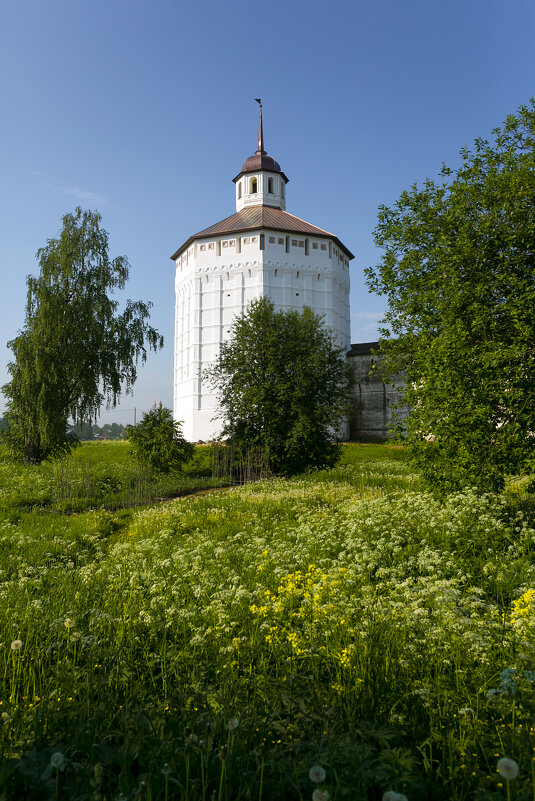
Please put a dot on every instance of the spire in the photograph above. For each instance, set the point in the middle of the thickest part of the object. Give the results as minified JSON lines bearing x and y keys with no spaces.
{"x":260,"y":151}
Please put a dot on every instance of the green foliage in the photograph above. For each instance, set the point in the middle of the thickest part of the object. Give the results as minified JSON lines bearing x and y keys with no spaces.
{"x":459,"y":274}
{"x":157,"y":441}
{"x":96,"y":474}
{"x":75,"y":350}
{"x":283,"y":386}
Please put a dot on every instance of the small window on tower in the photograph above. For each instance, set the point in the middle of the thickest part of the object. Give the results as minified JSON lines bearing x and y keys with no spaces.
{"x":254,"y":186}
{"x":270,"y":186}
{"x":262,"y":241}
{"x":239,"y":191}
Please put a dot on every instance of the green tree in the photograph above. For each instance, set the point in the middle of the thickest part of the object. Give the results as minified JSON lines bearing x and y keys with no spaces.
{"x":75,"y":351}
{"x":282,"y":386}
{"x":157,"y":441}
{"x":459,"y":273}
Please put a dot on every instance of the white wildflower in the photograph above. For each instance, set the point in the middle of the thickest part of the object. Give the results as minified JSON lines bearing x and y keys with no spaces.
{"x":68,"y":623}
{"x":320,"y":795}
{"x":507,"y":768}
{"x":232,"y":724}
{"x":316,"y":774}
{"x":16,"y":645}
{"x":5,"y":717}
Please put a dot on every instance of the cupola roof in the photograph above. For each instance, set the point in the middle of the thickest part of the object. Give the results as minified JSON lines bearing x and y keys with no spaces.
{"x":260,"y":160}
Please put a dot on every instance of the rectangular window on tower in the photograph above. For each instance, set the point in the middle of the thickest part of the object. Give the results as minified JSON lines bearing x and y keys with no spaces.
{"x":262,"y":242}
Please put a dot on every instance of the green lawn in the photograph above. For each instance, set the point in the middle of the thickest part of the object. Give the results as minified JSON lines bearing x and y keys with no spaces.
{"x":219,"y":646}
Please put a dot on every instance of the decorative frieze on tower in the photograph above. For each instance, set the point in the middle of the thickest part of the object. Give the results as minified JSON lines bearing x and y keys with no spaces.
{"x":261,"y":250}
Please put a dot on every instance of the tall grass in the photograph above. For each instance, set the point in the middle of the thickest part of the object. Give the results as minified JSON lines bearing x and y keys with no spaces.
{"x":219,"y":646}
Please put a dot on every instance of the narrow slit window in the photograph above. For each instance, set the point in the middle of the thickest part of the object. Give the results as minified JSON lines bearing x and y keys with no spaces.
{"x":287,"y":244}
{"x":254,"y":186}
{"x":239,"y":190}
{"x":270,"y":186}
{"x":262,"y":242}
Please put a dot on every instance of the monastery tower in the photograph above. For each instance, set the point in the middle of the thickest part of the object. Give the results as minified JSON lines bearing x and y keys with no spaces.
{"x":261,"y":250}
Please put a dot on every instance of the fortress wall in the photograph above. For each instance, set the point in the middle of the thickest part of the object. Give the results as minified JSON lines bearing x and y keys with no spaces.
{"x":373,"y":400}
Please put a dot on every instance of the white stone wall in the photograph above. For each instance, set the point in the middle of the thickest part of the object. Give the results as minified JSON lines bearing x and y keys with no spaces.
{"x":216,"y":278}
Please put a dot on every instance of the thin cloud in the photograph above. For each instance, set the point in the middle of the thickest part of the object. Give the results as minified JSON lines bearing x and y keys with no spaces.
{"x":74,"y":191}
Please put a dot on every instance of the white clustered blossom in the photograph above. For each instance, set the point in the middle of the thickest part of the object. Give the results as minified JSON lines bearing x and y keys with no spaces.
{"x":316,"y":774}
{"x":16,"y":645}
{"x":507,"y":768}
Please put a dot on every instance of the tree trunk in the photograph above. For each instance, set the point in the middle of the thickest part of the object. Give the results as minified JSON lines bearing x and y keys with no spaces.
{"x":32,"y":452}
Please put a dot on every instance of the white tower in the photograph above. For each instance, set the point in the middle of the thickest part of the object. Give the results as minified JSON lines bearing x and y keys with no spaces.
{"x":261,"y":250}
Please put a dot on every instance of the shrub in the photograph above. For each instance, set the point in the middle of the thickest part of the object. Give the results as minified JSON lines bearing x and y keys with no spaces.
{"x":157,"y":441}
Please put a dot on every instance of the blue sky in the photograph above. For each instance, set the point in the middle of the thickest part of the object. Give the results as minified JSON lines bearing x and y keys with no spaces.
{"x":145,"y":111}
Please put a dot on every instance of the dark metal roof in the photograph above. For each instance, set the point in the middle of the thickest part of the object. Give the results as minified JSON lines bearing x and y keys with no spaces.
{"x":260,"y":161}
{"x":253,"y":218}
{"x":363,"y":348}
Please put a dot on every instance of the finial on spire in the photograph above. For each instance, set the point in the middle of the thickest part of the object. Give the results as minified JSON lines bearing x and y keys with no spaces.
{"x":260,"y":150}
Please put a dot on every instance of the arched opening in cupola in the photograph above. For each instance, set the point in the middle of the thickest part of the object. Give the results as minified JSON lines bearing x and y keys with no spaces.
{"x":254,"y":186}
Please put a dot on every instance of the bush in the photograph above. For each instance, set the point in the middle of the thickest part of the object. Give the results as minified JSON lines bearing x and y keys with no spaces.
{"x":157,"y":441}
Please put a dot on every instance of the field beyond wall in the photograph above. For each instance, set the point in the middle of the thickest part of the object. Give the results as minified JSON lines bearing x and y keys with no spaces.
{"x":220,"y":645}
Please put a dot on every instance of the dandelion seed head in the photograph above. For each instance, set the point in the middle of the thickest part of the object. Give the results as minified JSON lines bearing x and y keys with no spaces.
{"x":316,"y":774}
{"x":57,"y":760}
{"x":16,"y":645}
{"x":232,"y":724}
{"x":68,"y":623}
{"x":5,"y":717}
{"x":507,"y":768}
{"x":320,"y":795}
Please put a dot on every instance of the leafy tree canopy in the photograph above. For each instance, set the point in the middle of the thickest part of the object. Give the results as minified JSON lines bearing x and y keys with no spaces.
{"x":459,"y":273}
{"x":75,"y":350}
{"x":282,"y":385}
{"x":157,"y":441}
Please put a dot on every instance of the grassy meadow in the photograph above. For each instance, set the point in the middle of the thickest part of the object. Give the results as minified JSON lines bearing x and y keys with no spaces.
{"x":219,"y":645}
